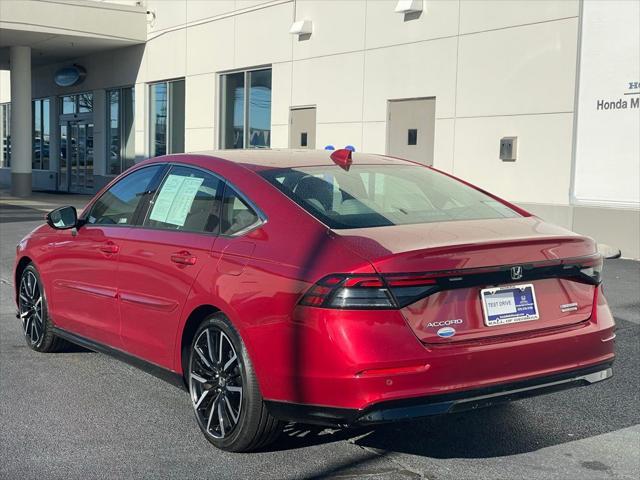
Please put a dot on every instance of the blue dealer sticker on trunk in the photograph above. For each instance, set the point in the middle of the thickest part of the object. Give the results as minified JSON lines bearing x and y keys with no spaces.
{"x":446,"y":332}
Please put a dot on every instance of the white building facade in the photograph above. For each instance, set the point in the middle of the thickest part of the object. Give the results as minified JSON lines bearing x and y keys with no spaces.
{"x":536,"y":101}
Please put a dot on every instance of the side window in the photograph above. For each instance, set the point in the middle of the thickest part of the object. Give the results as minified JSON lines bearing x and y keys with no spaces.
{"x":118,"y":205}
{"x":236,"y":214}
{"x":188,"y":200}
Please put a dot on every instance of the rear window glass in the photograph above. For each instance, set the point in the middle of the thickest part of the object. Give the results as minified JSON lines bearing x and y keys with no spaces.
{"x":379,"y":195}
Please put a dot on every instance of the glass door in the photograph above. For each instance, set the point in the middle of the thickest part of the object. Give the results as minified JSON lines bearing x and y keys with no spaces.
{"x":63,"y":179}
{"x":76,"y":157}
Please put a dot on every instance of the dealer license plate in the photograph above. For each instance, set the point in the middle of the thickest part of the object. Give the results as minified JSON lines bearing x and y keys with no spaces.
{"x":512,"y":304}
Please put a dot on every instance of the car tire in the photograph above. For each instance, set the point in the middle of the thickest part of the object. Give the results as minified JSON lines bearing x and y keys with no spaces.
{"x":224,"y":390}
{"x":34,"y":314}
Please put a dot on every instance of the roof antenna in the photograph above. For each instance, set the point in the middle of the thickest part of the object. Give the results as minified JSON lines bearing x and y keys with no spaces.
{"x":342,"y":158}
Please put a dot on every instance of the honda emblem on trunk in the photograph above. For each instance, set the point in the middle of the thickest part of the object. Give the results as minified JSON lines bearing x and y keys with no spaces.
{"x":516,"y":272}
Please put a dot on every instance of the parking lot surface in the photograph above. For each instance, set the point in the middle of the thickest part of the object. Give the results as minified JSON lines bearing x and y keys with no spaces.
{"x":81,"y":414}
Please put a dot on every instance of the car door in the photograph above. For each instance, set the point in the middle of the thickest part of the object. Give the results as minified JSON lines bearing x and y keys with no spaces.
{"x":83,"y":265}
{"x":160,"y":261}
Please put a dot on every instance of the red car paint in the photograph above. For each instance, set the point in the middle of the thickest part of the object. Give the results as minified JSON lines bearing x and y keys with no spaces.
{"x":134,"y":289}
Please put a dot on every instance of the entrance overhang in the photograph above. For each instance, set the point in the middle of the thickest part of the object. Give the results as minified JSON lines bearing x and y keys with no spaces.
{"x":59,"y":30}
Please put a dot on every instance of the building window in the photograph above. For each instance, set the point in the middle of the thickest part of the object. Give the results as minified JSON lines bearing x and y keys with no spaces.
{"x":166,"y":133}
{"x":5,"y":134}
{"x":245,"y":117}
{"x":120,"y":132}
{"x":79,"y":103}
{"x":41,"y":134}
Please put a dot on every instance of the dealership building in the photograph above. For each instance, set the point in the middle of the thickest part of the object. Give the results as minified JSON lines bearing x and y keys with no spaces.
{"x":536,"y":101}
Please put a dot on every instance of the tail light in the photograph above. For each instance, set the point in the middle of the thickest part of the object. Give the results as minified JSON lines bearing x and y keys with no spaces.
{"x":368,"y":291}
{"x":392,"y":291}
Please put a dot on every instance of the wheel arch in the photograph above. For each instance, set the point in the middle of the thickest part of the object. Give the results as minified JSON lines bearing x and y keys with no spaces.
{"x":194,"y":319}
{"x":20,"y":266}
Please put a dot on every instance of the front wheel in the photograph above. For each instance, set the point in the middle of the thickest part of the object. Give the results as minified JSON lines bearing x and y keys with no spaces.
{"x":33,"y":311}
{"x":224,"y":390}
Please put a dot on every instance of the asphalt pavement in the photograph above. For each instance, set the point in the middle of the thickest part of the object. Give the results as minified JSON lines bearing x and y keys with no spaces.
{"x":84,"y":415}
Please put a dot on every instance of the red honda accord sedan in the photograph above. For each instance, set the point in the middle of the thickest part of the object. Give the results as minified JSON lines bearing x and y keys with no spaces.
{"x":317,"y":288}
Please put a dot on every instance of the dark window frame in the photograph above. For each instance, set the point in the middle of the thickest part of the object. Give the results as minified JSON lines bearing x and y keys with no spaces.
{"x":170,"y":124}
{"x":76,"y":102}
{"x":261,"y":219}
{"x":37,"y":160}
{"x":150,"y":201}
{"x":142,"y":204}
{"x":5,"y":135}
{"x":124,"y":161}
{"x":142,"y":210}
{"x":246,"y":116}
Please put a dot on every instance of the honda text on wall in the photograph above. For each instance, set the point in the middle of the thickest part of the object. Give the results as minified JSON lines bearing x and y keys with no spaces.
{"x":323,"y":287}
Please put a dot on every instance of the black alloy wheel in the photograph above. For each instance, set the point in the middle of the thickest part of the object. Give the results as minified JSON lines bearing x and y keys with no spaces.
{"x":224,"y":390}
{"x":34,"y":313}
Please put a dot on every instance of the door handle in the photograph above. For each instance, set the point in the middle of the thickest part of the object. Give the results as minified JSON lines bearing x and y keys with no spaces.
{"x":183,"y":258}
{"x":109,"y":247}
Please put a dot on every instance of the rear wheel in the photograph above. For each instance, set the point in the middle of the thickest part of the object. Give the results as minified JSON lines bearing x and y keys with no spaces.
{"x":224,"y":390}
{"x":32,"y":307}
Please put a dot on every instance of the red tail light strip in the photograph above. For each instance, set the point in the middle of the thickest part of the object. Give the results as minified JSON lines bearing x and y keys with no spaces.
{"x":392,"y":291}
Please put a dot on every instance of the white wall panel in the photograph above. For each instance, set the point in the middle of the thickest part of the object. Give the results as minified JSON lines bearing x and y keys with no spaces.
{"x":210,"y":46}
{"x":141,"y":145}
{"x":374,"y":137}
{"x":280,"y":92}
{"x":99,"y":132}
{"x":198,"y":139}
{"x":528,"y":69}
{"x":476,"y":16}
{"x":542,"y":169}
{"x":240,"y":4}
{"x":385,"y":27}
{"x":168,"y":14}
{"x":338,"y":27}
{"x":201,"y":9}
{"x":280,"y":136}
{"x":200,"y":100}
{"x":166,"y":56}
{"x":262,"y":36}
{"x":339,"y":135}
{"x":443,"y":144}
{"x":325,"y":82}
{"x":5,"y":86}
{"x":140,"y":106}
{"x":426,"y":69}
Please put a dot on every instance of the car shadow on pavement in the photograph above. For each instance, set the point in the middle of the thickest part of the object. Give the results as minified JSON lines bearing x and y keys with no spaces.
{"x":513,"y":428}
{"x":74,"y":348}
{"x":70,"y":348}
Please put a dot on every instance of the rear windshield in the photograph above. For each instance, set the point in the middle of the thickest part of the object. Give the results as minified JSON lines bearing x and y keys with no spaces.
{"x":380,"y":195}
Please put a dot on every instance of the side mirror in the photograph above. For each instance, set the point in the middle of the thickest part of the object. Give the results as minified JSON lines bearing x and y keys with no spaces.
{"x":63,"y":218}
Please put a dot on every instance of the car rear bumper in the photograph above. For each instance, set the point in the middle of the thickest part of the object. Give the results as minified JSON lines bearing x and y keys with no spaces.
{"x":353,"y":360}
{"x":405,"y":409}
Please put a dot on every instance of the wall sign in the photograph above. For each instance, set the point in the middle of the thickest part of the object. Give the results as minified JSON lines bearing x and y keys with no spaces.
{"x":608,"y":124}
{"x":633,"y":101}
{"x":69,"y":76}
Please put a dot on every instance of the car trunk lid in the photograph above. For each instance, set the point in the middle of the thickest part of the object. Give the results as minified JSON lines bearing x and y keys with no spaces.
{"x":461,"y":259}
